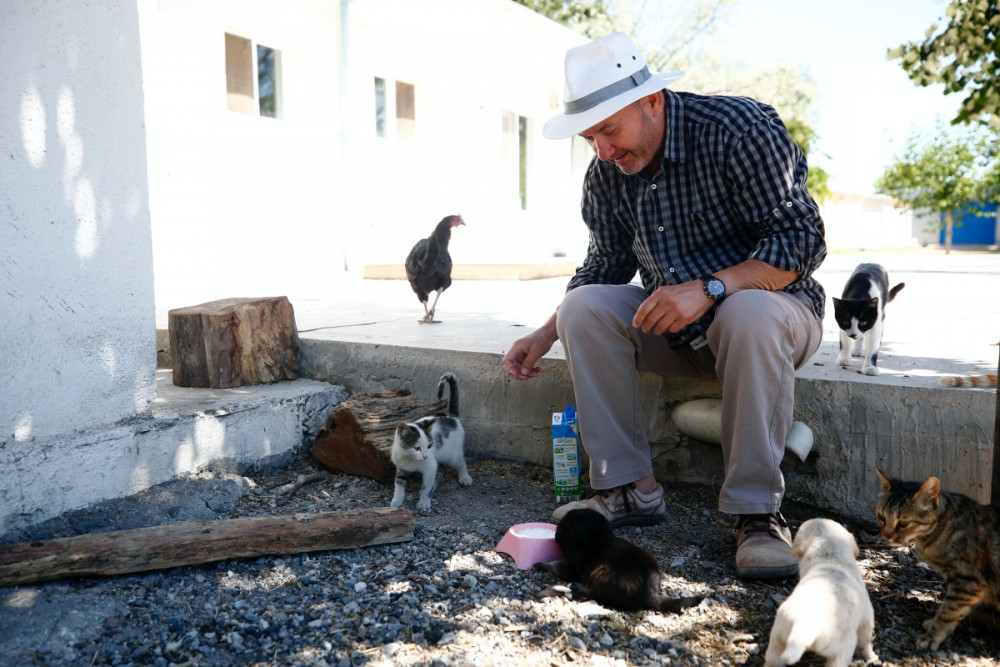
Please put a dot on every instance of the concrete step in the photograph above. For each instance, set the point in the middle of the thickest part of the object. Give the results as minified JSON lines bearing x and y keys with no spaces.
{"x":908,"y":426}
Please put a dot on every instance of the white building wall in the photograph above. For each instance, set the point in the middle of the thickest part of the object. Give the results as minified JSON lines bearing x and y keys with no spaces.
{"x":77,"y":328}
{"x":470,"y":62}
{"x":856,"y":221}
{"x":249,"y":206}
{"x":242,"y":205}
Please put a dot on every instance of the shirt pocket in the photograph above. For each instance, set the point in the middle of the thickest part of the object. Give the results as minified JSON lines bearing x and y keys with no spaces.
{"x":716,"y":226}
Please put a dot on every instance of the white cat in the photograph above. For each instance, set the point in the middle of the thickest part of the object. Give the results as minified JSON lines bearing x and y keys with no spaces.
{"x":860,"y":314}
{"x":829,"y":612}
{"x":421,"y":445}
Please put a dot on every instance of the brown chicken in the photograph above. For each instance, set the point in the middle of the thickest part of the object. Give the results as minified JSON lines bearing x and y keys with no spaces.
{"x":428,"y":266}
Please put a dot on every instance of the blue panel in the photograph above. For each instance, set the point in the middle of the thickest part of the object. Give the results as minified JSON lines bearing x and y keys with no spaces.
{"x":974,"y":229}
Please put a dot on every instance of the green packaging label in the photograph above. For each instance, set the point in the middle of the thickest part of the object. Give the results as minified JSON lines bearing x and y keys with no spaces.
{"x":566,"y":457}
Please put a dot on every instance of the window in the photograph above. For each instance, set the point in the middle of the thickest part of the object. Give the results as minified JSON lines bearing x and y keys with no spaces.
{"x":405,"y":112}
{"x":516,"y":131}
{"x":246,"y":93}
{"x":379,"y":107}
{"x":403,"y":96}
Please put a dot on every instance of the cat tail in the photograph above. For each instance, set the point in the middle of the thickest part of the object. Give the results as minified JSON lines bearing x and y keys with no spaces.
{"x":675,"y":605}
{"x":894,"y":291}
{"x":985,"y":380}
{"x":449,"y":379}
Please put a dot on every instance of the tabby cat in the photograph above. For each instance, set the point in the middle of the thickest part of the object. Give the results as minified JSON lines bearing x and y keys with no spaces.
{"x":421,"y":445}
{"x":984,"y":380}
{"x":953,"y":534}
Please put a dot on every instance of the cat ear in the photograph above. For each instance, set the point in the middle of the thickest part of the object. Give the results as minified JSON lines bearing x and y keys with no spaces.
{"x":930,"y":491}
{"x":886,"y":480}
{"x":873,"y":302}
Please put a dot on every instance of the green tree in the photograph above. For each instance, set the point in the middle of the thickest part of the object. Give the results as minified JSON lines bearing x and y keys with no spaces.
{"x":587,"y":17}
{"x":946,"y":171}
{"x":962,"y":56}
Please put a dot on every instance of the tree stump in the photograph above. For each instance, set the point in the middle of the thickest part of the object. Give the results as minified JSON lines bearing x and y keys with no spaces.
{"x":234,"y":342}
{"x":357,"y":436}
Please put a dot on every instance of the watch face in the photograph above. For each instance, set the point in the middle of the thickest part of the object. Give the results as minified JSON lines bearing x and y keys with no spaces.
{"x":715,"y":288}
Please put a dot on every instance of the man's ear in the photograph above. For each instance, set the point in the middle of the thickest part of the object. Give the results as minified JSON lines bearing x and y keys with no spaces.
{"x":654,"y":103}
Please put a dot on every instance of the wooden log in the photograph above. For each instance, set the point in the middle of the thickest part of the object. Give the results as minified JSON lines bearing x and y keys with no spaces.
{"x":357,"y":436}
{"x":234,"y":342}
{"x":196,"y":542}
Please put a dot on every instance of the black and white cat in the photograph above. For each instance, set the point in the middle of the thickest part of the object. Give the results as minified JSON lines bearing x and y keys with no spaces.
{"x":421,"y":445}
{"x":860,"y":314}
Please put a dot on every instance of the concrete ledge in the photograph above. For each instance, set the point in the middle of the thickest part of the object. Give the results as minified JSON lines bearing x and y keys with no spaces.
{"x":186,"y":430}
{"x":480,"y":271}
{"x":910,"y":431}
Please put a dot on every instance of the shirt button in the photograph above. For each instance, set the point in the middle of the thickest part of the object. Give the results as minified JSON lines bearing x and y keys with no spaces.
{"x":660,"y":228}
{"x":653,"y":186}
{"x":788,"y":204}
{"x":671,"y":269}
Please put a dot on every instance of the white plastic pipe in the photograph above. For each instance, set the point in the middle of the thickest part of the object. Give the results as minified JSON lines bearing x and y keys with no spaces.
{"x":701,"y":419}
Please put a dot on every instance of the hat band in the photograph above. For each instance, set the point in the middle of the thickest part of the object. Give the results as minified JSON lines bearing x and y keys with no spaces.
{"x":604,"y":94}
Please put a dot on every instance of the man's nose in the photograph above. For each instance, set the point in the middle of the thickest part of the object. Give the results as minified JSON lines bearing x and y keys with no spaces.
{"x":604,"y":149}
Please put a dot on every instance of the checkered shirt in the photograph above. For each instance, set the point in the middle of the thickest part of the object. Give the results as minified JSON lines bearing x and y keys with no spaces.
{"x":732,"y":187}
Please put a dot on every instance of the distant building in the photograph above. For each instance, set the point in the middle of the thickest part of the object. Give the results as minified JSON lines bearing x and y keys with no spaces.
{"x":856,"y":221}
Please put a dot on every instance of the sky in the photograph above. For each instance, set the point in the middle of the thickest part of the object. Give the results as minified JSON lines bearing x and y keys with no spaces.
{"x":865,"y":106}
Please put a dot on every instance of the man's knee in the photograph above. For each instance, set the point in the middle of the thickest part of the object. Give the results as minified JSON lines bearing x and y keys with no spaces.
{"x":752,"y":311}
{"x":580,"y":306}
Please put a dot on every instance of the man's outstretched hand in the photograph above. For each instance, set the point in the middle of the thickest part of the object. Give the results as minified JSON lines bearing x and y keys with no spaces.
{"x":525,"y":352}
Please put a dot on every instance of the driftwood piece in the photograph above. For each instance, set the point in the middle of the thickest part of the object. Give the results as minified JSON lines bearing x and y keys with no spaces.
{"x":195,"y":542}
{"x":234,"y":342}
{"x":357,"y":436}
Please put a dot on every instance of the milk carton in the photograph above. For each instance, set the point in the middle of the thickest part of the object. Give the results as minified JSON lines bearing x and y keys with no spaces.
{"x":566,"y":455}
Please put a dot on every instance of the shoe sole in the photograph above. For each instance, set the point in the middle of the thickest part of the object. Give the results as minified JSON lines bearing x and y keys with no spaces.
{"x":773,"y":572}
{"x":638,"y":520}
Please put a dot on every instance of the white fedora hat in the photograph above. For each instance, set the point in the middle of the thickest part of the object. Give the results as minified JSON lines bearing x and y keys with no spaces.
{"x":602,"y":78}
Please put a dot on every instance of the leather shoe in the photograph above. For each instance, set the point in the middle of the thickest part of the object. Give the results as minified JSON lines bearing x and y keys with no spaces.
{"x":764,"y":547}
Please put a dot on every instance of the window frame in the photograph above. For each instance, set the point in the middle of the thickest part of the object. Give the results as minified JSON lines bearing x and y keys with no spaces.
{"x":394,"y":126}
{"x":236,"y":70}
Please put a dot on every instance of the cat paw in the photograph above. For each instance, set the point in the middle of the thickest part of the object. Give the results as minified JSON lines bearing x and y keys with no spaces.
{"x":424,"y":504}
{"x":869,"y":370}
{"x":465,"y":481}
{"x":842,"y":362}
{"x":928,"y":642}
{"x":396,"y":502}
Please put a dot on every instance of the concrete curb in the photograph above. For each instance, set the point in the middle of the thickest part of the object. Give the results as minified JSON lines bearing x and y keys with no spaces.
{"x":907,"y":430}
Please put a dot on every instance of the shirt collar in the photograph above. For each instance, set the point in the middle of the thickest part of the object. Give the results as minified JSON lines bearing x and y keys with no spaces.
{"x":673,"y":143}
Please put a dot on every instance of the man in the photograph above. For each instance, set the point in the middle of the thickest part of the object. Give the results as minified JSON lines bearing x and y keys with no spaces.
{"x":705,"y":197}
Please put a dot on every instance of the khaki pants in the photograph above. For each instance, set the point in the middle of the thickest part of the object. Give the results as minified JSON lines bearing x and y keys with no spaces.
{"x":755,"y":344}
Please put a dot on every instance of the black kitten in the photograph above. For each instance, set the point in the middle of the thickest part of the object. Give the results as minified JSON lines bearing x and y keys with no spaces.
{"x":608,"y":569}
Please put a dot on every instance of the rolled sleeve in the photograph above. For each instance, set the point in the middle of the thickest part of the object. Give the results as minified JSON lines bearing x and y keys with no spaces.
{"x":772,"y":171}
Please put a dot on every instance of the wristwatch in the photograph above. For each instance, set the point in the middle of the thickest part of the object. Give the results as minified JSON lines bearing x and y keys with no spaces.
{"x":714,"y":288}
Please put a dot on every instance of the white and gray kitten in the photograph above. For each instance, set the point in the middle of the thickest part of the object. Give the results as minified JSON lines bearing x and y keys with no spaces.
{"x":421,"y":445}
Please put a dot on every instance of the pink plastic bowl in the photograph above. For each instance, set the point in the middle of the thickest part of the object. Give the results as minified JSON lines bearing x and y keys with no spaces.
{"x":530,"y":543}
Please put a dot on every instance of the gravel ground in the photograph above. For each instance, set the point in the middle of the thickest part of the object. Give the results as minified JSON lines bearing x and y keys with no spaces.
{"x":444,"y":598}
